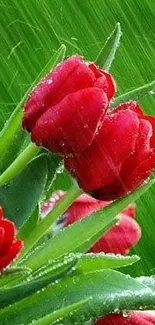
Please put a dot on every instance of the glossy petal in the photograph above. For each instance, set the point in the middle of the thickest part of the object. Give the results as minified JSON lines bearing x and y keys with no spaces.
{"x":2,"y":233}
{"x":139,"y":175}
{"x":104,"y":80}
{"x":134,"y":318}
{"x":68,"y":77}
{"x":121,"y":238}
{"x":101,"y":163}
{"x":71,"y":125}
{"x":82,"y":207}
{"x":12,"y":253}
{"x":10,"y":231}
{"x":131,"y":105}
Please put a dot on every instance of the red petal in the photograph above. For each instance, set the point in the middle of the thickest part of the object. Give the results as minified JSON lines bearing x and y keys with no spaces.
{"x":71,"y":75}
{"x":138,"y":176}
{"x":134,"y":318}
{"x":121,"y":238}
{"x":104,"y":80}
{"x":10,"y":231}
{"x":152,"y":122}
{"x":132,"y":105}
{"x":100,"y":164}
{"x":130,"y":211}
{"x":2,"y":233}
{"x":121,"y":187}
{"x":71,"y":125}
{"x":11,"y":254}
{"x":82,"y":207}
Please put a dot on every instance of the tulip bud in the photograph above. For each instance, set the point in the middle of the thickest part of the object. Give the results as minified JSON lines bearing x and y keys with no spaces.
{"x":121,"y":156}
{"x":66,"y":109}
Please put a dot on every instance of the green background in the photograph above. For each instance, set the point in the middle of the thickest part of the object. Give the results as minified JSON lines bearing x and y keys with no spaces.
{"x":30,"y":32}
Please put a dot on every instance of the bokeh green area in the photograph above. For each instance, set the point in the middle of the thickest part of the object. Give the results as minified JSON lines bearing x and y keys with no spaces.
{"x":32,"y":30}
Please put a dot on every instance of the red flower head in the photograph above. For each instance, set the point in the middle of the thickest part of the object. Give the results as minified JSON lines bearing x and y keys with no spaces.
{"x":66,"y":109}
{"x":134,"y":318}
{"x":9,"y":245}
{"x":119,"y":240}
{"x":120,"y":157}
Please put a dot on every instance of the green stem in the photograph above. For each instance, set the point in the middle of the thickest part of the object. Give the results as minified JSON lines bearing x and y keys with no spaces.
{"x":19,"y":163}
{"x":44,"y":226}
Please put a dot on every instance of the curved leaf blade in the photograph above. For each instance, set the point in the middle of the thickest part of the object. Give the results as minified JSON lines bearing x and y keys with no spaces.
{"x":108,"y":51}
{"x":134,"y":94}
{"x":109,"y":290}
{"x":74,"y":238}
{"x":12,"y":126}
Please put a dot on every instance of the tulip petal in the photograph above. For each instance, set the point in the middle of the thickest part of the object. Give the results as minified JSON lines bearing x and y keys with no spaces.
{"x":134,"y":318}
{"x":71,"y":125}
{"x":2,"y":233}
{"x":130,"y":211}
{"x":101,"y":162}
{"x":138,"y":176}
{"x":131,"y":105}
{"x":104,"y":80}
{"x":11,"y":254}
{"x":120,"y":238}
{"x":9,"y":233}
{"x":82,"y":207}
{"x":71,"y":75}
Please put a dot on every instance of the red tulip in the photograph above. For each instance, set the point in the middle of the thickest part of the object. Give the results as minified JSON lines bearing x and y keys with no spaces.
{"x":9,"y":245}
{"x":119,"y":240}
{"x":134,"y":318}
{"x":121,"y":156}
{"x":66,"y":109}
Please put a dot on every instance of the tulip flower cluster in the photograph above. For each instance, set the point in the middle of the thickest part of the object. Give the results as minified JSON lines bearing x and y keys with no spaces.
{"x":10,"y":247}
{"x":119,"y":239}
{"x":109,"y":152}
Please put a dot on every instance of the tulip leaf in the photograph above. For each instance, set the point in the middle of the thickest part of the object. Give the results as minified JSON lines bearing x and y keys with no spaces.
{"x":13,"y":293}
{"x":93,"y":262}
{"x":74,"y":238}
{"x":109,"y":291}
{"x":29,"y":224}
{"x":135,"y":94}
{"x":24,"y":191}
{"x":108,"y":51}
{"x":12,"y":127}
{"x":59,"y":314}
{"x":149,"y":281}
{"x":82,"y":243}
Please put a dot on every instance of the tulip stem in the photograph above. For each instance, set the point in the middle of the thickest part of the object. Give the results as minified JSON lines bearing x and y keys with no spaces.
{"x":45,"y":224}
{"x":19,"y":163}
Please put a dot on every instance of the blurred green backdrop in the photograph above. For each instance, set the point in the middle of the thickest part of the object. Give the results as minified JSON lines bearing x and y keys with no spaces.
{"x":30,"y":32}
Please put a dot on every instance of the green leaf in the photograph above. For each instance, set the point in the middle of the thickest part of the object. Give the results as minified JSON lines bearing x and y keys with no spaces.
{"x":93,"y":262}
{"x":134,"y":94}
{"x":29,"y":224}
{"x":12,"y":274}
{"x":8,"y":295}
{"x":12,"y":126}
{"x":53,"y":163}
{"x":20,"y":197}
{"x":74,"y":238}
{"x":60,"y":314}
{"x":108,"y":51}
{"x":45,"y":225}
{"x":109,"y":291}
